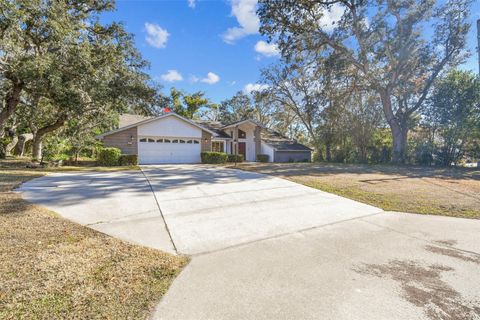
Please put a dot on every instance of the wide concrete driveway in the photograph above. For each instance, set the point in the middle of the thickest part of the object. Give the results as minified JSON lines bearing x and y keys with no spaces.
{"x":267,"y":248}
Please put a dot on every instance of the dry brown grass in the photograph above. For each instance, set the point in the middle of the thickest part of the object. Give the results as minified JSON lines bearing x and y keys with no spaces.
{"x":55,"y":269}
{"x":426,"y":190}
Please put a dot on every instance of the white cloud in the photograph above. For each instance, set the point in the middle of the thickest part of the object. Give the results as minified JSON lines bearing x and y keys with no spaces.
{"x":172,"y":76}
{"x":191,"y":3}
{"x":245,"y":12}
{"x":267,"y":49}
{"x":331,"y":17}
{"x":250,"y":87}
{"x":156,"y":36}
{"x":211,"y":78}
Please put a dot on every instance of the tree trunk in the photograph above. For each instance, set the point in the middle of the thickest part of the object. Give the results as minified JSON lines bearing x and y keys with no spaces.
{"x":399,"y":133}
{"x":328,"y":151}
{"x":40,"y":134}
{"x":9,"y":147}
{"x":22,"y":140}
{"x":12,"y":99}
{"x":37,"y":148}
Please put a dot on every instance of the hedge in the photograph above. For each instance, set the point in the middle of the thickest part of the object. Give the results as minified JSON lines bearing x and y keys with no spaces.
{"x":108,"y":157}
{"x":213,"y":157}
{"x":128,"y":160}
{"x":231,"y":158}
{"x":262,"y":157}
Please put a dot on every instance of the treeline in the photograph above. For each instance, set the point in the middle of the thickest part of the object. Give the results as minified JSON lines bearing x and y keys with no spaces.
{"x":379,"y":83}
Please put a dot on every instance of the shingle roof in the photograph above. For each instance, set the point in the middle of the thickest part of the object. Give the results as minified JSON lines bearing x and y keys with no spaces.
{"x":280,"y":142}
{"x":214,"y":126}
{"x":129,"y":119}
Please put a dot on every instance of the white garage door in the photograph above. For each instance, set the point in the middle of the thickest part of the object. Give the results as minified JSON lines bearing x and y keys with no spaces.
{"x":154,"y":150}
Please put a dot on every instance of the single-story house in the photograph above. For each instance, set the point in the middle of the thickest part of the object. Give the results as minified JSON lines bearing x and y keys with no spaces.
{"x":171,"y":138}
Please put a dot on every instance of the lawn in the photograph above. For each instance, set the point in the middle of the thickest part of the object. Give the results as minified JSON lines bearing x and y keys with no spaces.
{"x":426,"y":190}
{"x":55,"y":269}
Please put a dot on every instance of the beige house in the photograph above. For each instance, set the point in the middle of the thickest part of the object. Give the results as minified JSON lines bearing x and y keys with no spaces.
{"x":171,"y":138}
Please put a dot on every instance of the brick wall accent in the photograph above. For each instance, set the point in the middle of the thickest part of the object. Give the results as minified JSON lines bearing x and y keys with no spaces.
{"x":206,"y":141}
{"x":123,"y":140}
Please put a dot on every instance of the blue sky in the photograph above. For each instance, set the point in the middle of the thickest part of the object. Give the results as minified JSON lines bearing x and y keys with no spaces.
{"x":212,"y":45}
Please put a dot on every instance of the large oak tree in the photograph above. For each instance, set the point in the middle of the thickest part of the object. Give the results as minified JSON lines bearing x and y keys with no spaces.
{"x":396,"y":48}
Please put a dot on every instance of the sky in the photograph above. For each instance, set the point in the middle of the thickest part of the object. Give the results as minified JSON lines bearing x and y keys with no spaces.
{"x":210,"y":45}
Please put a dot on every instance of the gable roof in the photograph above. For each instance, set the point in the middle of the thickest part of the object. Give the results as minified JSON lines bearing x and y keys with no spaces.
{"x":214,"y":126}
{"x":280,"y":142}
{"x":237,"y":123}
{"x":129,"y":119}
{"x":148,"y":120}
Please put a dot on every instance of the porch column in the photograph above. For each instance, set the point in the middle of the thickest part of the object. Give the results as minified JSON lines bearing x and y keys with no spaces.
{"x":258,"y":141}
{"x":235,"y":141}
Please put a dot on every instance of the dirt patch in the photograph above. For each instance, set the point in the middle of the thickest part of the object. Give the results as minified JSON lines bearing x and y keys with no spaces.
{"x":423,"y":287}
{"x":427,"y":190}
{"x":468,"y":257}
{"x":52,"y":268}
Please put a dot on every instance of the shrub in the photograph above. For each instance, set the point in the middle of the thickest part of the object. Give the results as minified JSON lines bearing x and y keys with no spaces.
{"x":213,"y":157}
{"x":108,"y":156}
{"x":262,"y":157}
{"x":128,"y":160}
{"x":231,"y":158}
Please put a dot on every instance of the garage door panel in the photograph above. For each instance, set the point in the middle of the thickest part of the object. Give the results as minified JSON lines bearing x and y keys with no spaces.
{"x":154,"y":152}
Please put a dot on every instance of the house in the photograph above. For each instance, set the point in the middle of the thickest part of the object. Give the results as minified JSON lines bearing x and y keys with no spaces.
{"x":171,"y":138}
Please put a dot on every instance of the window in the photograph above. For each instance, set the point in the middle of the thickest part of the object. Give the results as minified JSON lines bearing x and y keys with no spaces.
{"x":195,"y":142}
{"x":151,"y":140}
{"x":143,"y":140}
{"x":241,"y":134}
{"x":217,"y":146}
{"x":166,"y":140}
{"x":160,"y":140}
{"x":182,"y":141}
{"x":189,"y":141}
{"x":175,"y":141}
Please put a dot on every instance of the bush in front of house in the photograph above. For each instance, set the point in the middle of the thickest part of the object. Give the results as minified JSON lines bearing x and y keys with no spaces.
{"x":128,"y":160}
{"x":213,"y":157}
{"x":231,"y":158}
{"x":108,"y":157}
{"x":262,"y":157}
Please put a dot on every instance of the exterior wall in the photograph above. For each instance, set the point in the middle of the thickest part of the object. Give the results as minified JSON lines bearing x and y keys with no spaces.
{"x":206,"y":141}
{"x":258,"y":141}
{"x":249,"y":141}
{"x":125,"y":140}
{"x":266,"y":149}
{"x":169,"y":127}
{"x":297,"y":156}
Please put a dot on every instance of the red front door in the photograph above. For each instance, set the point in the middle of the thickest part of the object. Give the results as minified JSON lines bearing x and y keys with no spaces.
{"x":241,"y":149}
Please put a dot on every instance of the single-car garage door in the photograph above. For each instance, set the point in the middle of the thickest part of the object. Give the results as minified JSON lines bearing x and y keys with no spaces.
{"x":152,"y":150}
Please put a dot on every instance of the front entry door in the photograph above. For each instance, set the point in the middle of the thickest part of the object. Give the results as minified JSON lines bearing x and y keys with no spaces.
{"x":242,"y":150}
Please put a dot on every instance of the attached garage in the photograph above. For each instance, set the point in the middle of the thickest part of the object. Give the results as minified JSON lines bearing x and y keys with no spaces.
{"x":154,"y":150}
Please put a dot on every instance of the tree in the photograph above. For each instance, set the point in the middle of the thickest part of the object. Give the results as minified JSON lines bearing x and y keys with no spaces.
{"x":453,"y":115}
{"x":34,"y":34}
{"x":187,"y":105}
{"x":237,"y":108}
{"x":87,"y":71}
{"x":385,"y":44}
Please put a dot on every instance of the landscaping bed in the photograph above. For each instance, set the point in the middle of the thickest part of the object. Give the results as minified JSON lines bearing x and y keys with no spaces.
{"x":53,"y":268}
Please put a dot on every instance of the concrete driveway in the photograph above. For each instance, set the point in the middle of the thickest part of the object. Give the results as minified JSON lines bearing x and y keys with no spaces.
{"x":268,"y":248}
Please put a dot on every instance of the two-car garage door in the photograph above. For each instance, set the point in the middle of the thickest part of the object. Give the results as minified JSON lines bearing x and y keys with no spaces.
{"x":152,"y":150}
